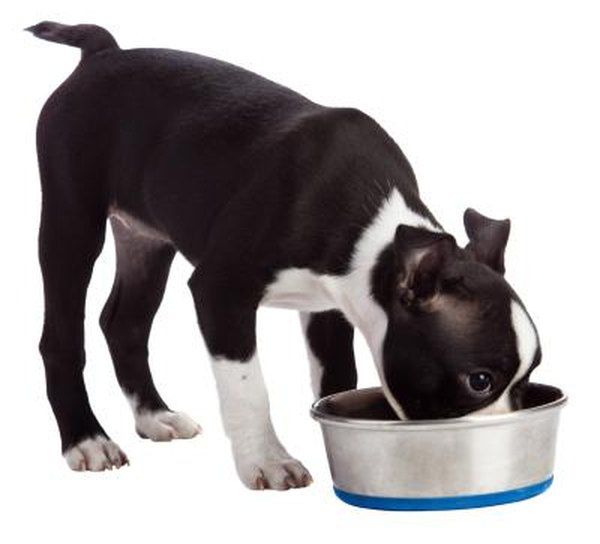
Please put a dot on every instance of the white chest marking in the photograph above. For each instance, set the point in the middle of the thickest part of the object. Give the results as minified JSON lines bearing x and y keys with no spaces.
{"x":301,"y":289}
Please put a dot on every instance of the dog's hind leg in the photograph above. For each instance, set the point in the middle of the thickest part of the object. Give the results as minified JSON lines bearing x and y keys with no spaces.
{"x":71,"y":237}
{"x":143,"y":263}
{"x":329,"y":339}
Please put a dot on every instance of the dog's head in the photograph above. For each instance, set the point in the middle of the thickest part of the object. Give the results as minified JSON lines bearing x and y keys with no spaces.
{"x":459,"y":339}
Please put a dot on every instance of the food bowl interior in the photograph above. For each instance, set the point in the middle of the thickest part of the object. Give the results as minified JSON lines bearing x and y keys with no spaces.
{"x":370,"y":404}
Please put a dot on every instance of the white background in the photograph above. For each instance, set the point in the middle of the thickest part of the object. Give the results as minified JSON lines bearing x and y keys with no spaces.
{"x":496,"y":106}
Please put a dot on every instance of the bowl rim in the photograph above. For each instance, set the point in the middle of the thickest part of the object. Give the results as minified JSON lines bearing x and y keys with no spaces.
{"x":471,"y":421}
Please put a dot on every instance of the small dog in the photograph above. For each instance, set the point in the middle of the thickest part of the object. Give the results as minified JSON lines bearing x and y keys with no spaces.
{"x":276,"y":201}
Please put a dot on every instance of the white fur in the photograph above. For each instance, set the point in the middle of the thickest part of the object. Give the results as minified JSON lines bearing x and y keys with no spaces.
{"x":304,"y":290}
{"x":95,"y":454}
{"x":162,"y":425}
{"x":316,"y":365}
{"x":527,"y":343}
{"x":261,"y":460}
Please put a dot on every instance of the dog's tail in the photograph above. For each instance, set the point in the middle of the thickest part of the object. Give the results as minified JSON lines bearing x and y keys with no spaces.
{"x":91,"y":39}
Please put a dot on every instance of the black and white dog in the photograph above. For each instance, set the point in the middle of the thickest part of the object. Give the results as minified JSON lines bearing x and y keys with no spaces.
{"x":276,"y":201}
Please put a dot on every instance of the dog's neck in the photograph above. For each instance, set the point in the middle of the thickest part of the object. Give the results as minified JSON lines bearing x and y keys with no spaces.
{"x":353,"y":292}
{"x":355,"y":289}
{"x":305,"y":290}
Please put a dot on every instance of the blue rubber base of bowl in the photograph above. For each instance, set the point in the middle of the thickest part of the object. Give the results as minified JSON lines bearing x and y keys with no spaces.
{"x":444,"y":503}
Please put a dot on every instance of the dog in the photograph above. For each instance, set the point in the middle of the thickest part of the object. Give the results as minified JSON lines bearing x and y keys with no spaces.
{"x":276,"y":201}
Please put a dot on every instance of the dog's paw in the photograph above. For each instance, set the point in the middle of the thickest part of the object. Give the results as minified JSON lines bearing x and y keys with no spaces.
{"x":95,"y":454}
{"x":164,"y":425}
{"x":280,"y":474}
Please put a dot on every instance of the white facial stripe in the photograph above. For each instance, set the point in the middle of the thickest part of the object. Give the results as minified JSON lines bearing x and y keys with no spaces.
{"x":527,"y":344}
{"x":527,"y":340}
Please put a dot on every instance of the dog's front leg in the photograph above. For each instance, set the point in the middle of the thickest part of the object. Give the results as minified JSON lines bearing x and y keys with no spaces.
{"x":228,"y":327}
{"x":261,"y":460}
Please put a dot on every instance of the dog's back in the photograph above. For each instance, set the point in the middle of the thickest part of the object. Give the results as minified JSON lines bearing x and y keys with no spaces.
{"x":127,"y":120}
{"x":172,"y":138}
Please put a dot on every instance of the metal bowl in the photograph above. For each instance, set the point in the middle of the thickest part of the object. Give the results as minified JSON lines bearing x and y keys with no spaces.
{"x":378,"y":461}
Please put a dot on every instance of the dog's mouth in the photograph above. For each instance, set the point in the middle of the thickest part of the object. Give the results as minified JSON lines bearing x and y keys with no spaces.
{"x":421,"y":410}
{"x":522,"y":395}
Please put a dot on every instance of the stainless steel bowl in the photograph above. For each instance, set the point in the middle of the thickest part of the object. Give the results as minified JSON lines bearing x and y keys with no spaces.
{"x":378,"y":461}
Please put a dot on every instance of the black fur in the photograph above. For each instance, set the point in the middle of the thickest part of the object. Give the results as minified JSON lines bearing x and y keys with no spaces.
{"x":90,"y":39}
{"x":330,"y":338}
{"x":142,"y":269}
{"x":244,"y":177}
{"x":430,"y":349}
{"x":488,"y":239}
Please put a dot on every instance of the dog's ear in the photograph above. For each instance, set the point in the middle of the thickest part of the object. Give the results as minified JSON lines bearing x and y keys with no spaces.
{"x":487,"y":239}
{"x":420,"y":255}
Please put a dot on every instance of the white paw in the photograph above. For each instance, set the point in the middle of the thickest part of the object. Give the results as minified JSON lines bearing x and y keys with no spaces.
{"x":164,"y":425}
{"x":95,"y":454}
{"x":273,"y":473}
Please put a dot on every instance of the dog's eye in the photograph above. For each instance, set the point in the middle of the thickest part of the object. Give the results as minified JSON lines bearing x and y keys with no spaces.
{"x":481,"y":382}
